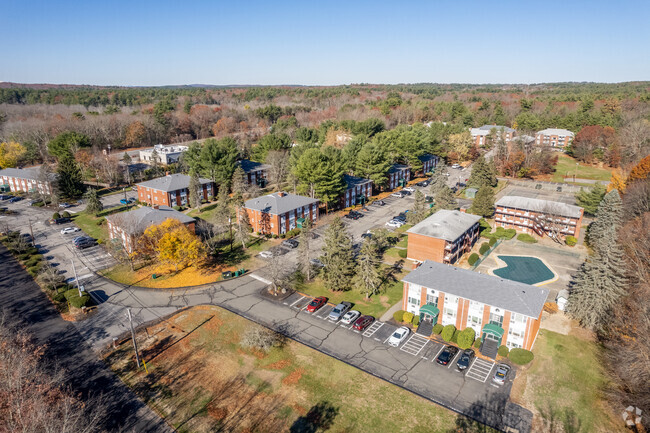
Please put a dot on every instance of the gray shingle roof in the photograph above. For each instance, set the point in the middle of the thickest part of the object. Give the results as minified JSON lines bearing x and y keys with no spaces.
{"x":136,"y":221}
{"x":397,"y":167}
{"x":277,"y":204}
{"x":353,"y":181}
{"x":248,"y":165}
{"x":25,"y":173}
{"x":556,"y":131}
{"x":445,"y":224}
{"x":497,"y":127}
{"x":426,"y":157}
{"x":497,"y":292}
{"x":537,"y":205}
{"x":171,"y":182}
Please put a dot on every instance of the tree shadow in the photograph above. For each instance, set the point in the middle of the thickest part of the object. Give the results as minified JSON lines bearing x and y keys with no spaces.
{"x":319,"y":418}
{"x":492,"y":413}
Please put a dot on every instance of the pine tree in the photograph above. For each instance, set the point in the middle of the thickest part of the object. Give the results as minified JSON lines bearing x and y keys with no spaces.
{"x":419,"y":210}
{"x":367,"y":278}
{"x":93,"y":204}
{"x":608,"y":215}
{"x":591,"y":198}
{"x":444,"y":199}
{"x":304,"y":254}
{"x":126,"y":160}
{"x":221,"y":215}
{"x":69,"y":177}
{"x":239,"y":182}
{"x":483,"y":173}
{"x":483,"y":203}
{"x":195,"y":190}
{"x":439,"y":178}
{"x":339,"y":258}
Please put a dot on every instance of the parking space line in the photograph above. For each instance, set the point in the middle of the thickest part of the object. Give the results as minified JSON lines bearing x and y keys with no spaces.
{"x":440,"y":351}
{"x":480,"y":370}
{"x":414,"y":345}
{"x":373,"y":328}
{"x":453,"y":359}
{"x":296,"y":301}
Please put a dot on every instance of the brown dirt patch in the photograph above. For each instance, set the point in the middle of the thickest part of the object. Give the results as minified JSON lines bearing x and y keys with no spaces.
{"x":293,"y":377}
{"x":384,"y":301}
{"x":301,"y":410}
{"x":279,"y":365}
{"x":218,"y":413}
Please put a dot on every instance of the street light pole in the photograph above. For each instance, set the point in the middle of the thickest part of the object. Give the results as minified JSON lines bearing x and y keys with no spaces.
{"x":230,"y":228}
{"x":76,"y":278}
{"x":135,"y":345}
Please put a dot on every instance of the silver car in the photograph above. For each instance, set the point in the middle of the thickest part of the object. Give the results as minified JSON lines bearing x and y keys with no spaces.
{"x":350,"y":317}
{"x":338,"y":311}
{"x":501,"y":374}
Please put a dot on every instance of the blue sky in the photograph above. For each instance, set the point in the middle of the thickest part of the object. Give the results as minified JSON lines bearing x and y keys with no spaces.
{"x":323,"y":42}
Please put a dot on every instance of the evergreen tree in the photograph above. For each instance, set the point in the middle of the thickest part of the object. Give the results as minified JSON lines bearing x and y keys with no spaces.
{"x":69,"y":177}
{"x":439,"y":178}
{"x":304,"y":254}
{"x":372,"y":164}
{"x":444,"y":199}
{"x":126,"y":160}
{"x":483,"y":173}
{"x":608,"y":216}
{"x":483,"y":203}
{"x":221,"y":214}
{"x":195,"y":190}
{"x":93,"y":204}
{"x":367,"y":278}
{"x":591,"y":198}
{"x":338,"y":258}
{"x":419,"y":210}
{"x":239,"y":183}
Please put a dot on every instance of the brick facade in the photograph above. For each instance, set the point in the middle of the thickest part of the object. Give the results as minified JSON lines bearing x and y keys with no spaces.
{"x":178,"y":197}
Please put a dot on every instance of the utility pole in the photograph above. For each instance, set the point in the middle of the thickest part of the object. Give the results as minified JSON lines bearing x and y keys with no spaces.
{"x":31,"y":231}
{"x":135,"y":345}
{"x":230,"y":227}
{"x":76,"y":278}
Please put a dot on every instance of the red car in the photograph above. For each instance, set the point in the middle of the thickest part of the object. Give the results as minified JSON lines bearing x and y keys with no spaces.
{"x":316,"y":303}
{"x":363,"y":322}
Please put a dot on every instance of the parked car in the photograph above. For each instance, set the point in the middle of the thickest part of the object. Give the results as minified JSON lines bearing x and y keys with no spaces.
{"x":398,"y":194}
{"x":455,"y":166}
{"x":558,"y":189}
{"x":501,"y":374}
{"x":366,"y":235}
{"x":124,"y":201}
{"x":465,"y":359}
{"x":409,"y":189}
{"x":350,"y":317}
{"x":398,"y":336}
{"x":4,"y":197}
{"x":447,"y":355}
{"x":86,"y":243}
{"x":134,"y":188}
{"x":68,"y":230}
{"x":290,"y":243}
{"x":358,"y":214}
{"x":15,"y":199}
{"x":35,"y":201}
{"x":394,"y":223}
{"x":82,"y":239}
{"x":64,"y":205}
{"x":79,"y":238}
{"x":317,"y":263}
{"x":363,"y":322}
{"x":62,"y":220}
{"x":352,"y":216}
{"x":380,"y":202}
{"x":266,"y":254}
{"x":316,"y":303}
{"x":339,"y":311}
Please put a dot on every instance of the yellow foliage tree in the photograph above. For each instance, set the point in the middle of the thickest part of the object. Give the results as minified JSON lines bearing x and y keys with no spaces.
{"x":460,"y":144}
{"x":10,"y":153}
{"x":173,"y":243}
{"x":617,"y":182}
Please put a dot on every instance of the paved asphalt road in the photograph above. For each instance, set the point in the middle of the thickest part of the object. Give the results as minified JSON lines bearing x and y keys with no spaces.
{"x":25,"y":303}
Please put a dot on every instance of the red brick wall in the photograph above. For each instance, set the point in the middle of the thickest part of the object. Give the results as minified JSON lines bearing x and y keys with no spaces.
{"x":423,"y":248}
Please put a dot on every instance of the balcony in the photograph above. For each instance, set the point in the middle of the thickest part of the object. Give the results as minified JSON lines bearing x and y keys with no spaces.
{"x":448,"y":247}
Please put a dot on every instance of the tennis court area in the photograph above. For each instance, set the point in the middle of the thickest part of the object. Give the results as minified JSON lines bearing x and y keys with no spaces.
{"x":524,"y":269}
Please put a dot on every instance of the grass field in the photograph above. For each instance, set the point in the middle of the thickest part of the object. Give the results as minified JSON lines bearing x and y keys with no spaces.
{"x":201,"y":380}
{"x":566,"y":166}
{"x":567,"y":375}
{"x":88,"y":222}
{"x":390,"y":293}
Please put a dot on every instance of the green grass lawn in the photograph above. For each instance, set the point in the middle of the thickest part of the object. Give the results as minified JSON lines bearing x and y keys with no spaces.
{"x":390,"y":293}
{"x":88,"y":222}
{"x":403,"y":242}
{"x":566,"y":166}
{"x":567,"y":374}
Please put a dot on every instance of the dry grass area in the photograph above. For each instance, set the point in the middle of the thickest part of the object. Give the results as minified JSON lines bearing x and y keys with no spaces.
{"x":201,"y":380}
{"x":166,"y":277}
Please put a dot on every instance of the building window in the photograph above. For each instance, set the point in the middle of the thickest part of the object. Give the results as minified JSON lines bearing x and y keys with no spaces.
{"x":414,"y":301}
{"x":496,"y":319}
{"x":432,"y":299}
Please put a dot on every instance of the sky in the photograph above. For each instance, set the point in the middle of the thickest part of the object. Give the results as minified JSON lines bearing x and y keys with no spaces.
{"x":331,"y":42}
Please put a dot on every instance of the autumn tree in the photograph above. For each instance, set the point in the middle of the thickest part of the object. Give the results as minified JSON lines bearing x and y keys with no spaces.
{"x":459,"y":146}
{"x":135,"y":134}
{"x":278,"y":161}
{"x":304,"y":252}
{"x":243,"y":229}
{"x":593,"y":142}
{"x":640,"y":171}
{"x":338,"y":256}
{"x":11,"y":153}
{"x":173,"y":243}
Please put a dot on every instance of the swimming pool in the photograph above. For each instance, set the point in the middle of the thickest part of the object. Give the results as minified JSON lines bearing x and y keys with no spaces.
{"x":525,"y":269}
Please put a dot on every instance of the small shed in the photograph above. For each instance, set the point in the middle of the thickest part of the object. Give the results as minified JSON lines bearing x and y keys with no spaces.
{"x":562,"y":299}
{"x":471,"y":192}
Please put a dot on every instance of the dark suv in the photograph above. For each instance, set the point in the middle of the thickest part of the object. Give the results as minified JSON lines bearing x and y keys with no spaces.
{"x":85,"y":243}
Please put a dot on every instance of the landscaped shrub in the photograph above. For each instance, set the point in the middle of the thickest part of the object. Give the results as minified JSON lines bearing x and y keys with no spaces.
{"x":398,"y":315}
{"x":571,"y":241}
{"x":503,"y":351}
{"x":56,"y":216}
{"x":525,"y":237}
{"x":416,"y":320}
{"x":484,"y":228}
{"x":454,"y":338}
{"x":59,"y":297}
{"x":402,"y":253}
{"x":466,"y":338}
{"x":484,"y":248}
{"x":510,"y":233}
{"x":65,"y":214}
{"x":521,"y":356}
{"x":477,"y":343}
{"x":177,"y":208}
{"x":492,"y":242}
{"x":448,"y":332}
{"x":408,"y":317}
{"x":75,"y":300}
{"x":437,"y":328}
{"x":473,"y":258}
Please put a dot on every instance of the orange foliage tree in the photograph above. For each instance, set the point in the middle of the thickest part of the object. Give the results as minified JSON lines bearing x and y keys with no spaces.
{"x":135,"y":134}
{"x":640,"y":171}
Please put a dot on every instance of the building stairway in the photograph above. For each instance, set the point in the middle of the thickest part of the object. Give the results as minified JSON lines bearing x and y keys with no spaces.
{"x":425,"y":328}
{"x":489,"y":348}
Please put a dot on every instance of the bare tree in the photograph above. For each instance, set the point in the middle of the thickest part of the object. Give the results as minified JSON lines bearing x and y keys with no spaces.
{"x":553,"y":221}
{"x":278,"y":160}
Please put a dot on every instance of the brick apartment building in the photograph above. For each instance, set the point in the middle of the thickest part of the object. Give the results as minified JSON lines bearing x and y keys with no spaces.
{"x":443,"y":237}
{"x":127,"y":227}
{"x":540,"y":217}
{"x":504,"y":312}
{"x":398,"y":175}
{"x":429,"y":162}
{"x":26,"y":180}
{"x":554,"y":137}
{"x":256,"y":173}
{"x":280,"y":212}
{"x":358,"y":190}
{"x":165,"y":154}
{"x":172,"y":190}
{"x":480,"y":135}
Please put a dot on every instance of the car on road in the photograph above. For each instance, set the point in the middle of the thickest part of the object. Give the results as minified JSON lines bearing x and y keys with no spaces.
{"x":455,"y":166}
{"x":394,"y":223}
{"x":379,"y":202}
{"x":398,"y":336}
{"x":465,"y":359}
{"x":68,"y":230}
{"x":290,"y":243}
{"x":266,"y":254}
{"x":316,"y":303}
{"x":409,"y":189}
{"x":363,"y":322}
{"x":15,"y":199}
{"x":339,"y":311}
{"x":350,"y":317}
{"x":398,"y":194}
{"x":447,"y":355}
{"x":501,"y":374}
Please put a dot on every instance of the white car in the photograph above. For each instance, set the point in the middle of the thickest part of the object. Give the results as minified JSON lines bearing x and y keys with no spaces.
{"x":409,"y":189}
{"x":266,"y":254}
{"x":398,"y":336}
{"x":350,"y":317}
{"x":68,"y":230}
{"x":394,"y":223}
{"x":455,"y":166}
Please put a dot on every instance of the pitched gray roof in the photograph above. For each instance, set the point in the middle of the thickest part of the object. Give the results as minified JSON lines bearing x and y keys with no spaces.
{"x":248,"y":165}
{"x":353,"y":181}
{"x":497,"y":292}
{"x":445,"y":224}
{"x":497,"y":127}
{"x":537,"y":205}
{"x":136,"y":221}
{"x":25,"y":173}
{"x":426,"y":157}
{"x":556,"y":131}
{"x":278,"y":202}
{"x":397,"y":167}
{"x":171,"y":182}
